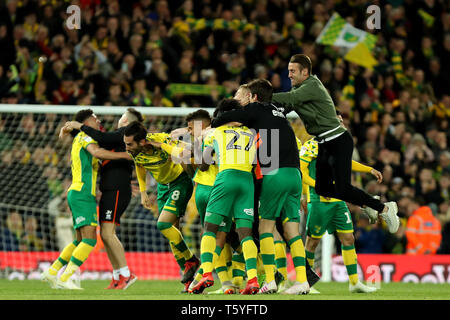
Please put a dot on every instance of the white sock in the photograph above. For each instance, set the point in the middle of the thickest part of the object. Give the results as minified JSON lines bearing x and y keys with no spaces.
{"x":125,"y":271}
{"x":116,"y":274}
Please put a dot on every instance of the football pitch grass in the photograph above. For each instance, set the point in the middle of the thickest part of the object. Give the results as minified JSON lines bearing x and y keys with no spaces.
{"x":170,"y":290}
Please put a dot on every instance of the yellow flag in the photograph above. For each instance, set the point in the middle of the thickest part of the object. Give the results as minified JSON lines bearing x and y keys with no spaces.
{"x":361,"y":55}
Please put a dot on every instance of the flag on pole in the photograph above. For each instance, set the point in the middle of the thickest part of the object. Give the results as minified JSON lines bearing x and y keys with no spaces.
{"x":357,"y":43}
{"x":428,"y":19}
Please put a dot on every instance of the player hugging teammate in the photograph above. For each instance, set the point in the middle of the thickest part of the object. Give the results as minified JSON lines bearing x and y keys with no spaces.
{"x":245,"y":167}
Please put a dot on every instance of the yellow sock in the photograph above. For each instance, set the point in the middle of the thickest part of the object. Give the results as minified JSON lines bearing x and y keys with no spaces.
{"x":178,"y":256}
{"x":280,"y":258}
{"x":79,"y":255}
{"x":228,"y":254}
{"x":250,"y":255}
{"x":310,"y":256}
{"x":199,"y":275}
{"x":298,"y":258}
{"x":174,"y":235}
{"x":63,"y":258}
{"x":238,"y":268}
{"x":220,"y":265}
{"x":351,"y":262}
{"x":207,"y":248}
{"x":267,"y":248}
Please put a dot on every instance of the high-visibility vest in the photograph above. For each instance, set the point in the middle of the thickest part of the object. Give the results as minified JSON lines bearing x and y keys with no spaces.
{"x":423,"y":232}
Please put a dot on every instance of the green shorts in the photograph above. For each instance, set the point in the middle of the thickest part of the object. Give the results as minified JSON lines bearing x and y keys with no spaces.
{"x":202,"y":193}
{"x":232,"y":198}
{"x":328,"y":216}
{"x":280,"y":195}
{"x":83,"y":207}
{"x":174,"y":196}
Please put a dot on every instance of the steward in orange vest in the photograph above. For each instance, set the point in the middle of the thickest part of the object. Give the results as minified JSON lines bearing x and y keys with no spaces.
{"x":423,"y":232}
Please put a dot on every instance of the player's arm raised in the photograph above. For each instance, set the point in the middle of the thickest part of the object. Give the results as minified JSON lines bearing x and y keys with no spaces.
{"x":244,"y":116}
{"x":359,"y":167}
{"x":104,"y":138}
{"x":104,"y":154}
{"x":289,"y":100}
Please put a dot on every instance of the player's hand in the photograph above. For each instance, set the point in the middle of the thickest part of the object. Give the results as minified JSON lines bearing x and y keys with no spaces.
{"x":134,"y":190}
{"x":63,"y":132}
{"x":145,"y":200}
{"x":377,"y":174}
{"x":186,"y":155}
{"x":206,"y":131}
{"x":74,"y":125}
{"x":175,"y":134}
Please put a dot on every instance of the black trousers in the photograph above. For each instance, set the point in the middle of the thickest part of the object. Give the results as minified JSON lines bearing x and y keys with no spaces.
{"x":333,"y":173}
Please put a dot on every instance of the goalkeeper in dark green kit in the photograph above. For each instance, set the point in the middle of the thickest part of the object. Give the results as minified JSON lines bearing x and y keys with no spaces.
{"x":313,"y":104}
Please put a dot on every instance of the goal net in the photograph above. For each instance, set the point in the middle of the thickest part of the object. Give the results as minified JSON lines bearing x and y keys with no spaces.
{"x":35,"y":220}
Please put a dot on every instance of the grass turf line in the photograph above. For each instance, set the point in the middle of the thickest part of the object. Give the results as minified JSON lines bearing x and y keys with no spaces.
{"x":170,"y":290}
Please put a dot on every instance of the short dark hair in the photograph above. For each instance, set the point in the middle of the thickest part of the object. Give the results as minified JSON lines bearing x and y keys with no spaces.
{"x":200,"y":114}
{"x":135,"y":115}
{"x":82,"y":115}
{"x":136,"y":130}
{"x":262,"y":88}
{"x":225,"y":105}
{"x":303,"y":60}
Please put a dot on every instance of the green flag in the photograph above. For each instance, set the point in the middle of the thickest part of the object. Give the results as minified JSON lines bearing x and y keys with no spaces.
{"x":338,"y":32}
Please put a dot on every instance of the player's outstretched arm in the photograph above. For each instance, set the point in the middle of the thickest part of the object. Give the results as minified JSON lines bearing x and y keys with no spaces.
{"x":113,"y":138}
{"x":107,"y":139}
{"x":293,"y":99}
{"x":244,"y":116}
{"x":359,"y":167}
{"x":287,"y":100}
{"x":104,"y":154}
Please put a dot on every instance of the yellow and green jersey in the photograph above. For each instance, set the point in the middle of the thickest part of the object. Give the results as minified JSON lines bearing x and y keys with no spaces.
{"x":234,"y":147}
{"x":308,"y":155}
{"x":207,"y":177}
{"x":84,"y":165}
{"x":299,"y":144}
{"x":157,"y":161}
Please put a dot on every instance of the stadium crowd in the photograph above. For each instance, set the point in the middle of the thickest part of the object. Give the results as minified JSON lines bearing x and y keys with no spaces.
{"x":153,"y":53}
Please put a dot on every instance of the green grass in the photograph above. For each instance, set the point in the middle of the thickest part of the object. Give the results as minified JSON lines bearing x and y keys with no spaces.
{"x":170,"y":290}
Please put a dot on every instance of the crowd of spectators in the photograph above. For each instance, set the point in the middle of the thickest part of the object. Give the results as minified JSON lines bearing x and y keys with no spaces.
{"x":153,"y":53}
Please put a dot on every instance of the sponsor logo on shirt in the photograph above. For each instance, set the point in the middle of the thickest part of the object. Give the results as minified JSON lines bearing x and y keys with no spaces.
{"x":79,"y":220}
{"x":248,"y":212}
